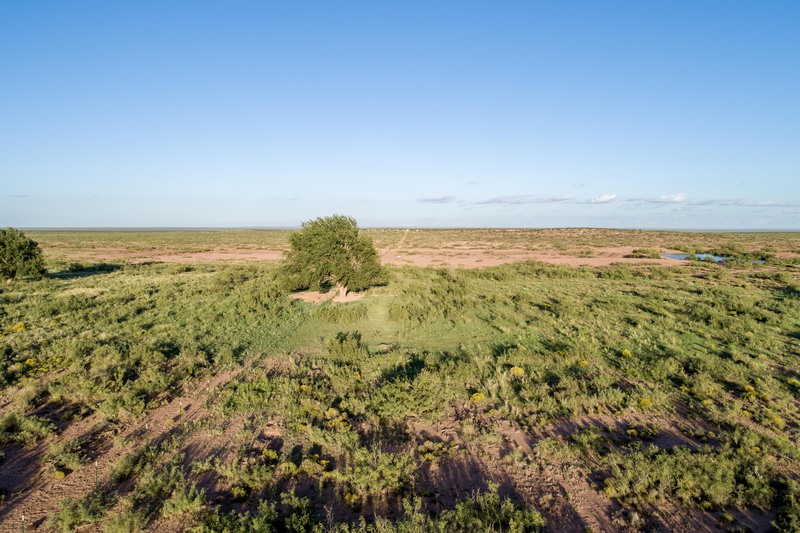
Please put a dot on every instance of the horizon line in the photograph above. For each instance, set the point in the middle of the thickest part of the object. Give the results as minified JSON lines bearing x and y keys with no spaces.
{"x":397,"y":227}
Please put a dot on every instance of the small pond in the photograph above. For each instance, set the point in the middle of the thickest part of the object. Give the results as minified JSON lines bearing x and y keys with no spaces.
{"x":703,"y":257}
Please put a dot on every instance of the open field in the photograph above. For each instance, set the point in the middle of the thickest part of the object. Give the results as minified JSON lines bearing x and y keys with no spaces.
{"x":446,"y":247}
{"x":161,"y":381}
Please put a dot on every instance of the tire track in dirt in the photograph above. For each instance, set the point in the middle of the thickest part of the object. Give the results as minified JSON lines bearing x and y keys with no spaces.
{"x":594,"y":510}
{"x":44,"y":493}
{"x":562,"y":491}
{"x":390,"y":249}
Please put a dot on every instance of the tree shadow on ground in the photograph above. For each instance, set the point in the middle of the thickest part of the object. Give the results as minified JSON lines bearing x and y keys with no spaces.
{"x":407,"y":371}
{"x":19,"y":472}
{"x":78,"y":271}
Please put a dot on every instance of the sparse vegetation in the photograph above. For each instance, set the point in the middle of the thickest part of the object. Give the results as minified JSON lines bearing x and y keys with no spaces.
{"x":449,"y":399}
{"x":26,"y":430}
{"x":64,"y":457}
{"x":645,"y":253}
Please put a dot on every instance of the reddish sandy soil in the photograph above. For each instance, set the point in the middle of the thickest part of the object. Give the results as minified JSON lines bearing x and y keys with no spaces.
{"x":159,"y":256}
{"x":480,"y":257}
{"x":335,"y":295}
{"x":462,"y":257}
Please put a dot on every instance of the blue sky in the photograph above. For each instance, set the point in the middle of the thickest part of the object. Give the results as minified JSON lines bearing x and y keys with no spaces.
{"x":633,"y":114}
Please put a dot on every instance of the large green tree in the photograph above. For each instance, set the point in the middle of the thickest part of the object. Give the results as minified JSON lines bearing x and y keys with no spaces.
{"x":19,"y":255}
{"x":329,"y":251}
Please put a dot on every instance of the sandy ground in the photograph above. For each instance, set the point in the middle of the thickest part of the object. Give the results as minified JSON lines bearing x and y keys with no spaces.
{"x":462,"y":257}
{"x":335,"y":295}
{"x":480,"y":257}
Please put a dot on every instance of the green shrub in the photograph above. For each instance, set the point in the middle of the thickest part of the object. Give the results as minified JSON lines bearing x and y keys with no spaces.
{"x":64,"y":457}
{"x":645,"y":253}
{"x":789,"y":512}
{"x":372,"y":475}
{"x":264,"y":520}
{"x":485,"y":511}
{"x":330,"y":251}
{"x":20,"y":256}
{"x":74,"y":513}
{"x":723,"y":477}
{"x":133,"y":463}
{"x":185,"y":498}
{"x":347,"y":347}
{"x":26,"y":430}
{"x":126,"y":521}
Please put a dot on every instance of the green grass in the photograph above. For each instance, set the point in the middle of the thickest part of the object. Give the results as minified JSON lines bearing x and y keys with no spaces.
{"x":335,"y":407}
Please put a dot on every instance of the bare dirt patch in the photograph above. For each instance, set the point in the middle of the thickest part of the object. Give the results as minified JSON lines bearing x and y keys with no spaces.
{"x":464,"y":257}
{"x":334,"y":295}
{"x":216,"y":255}
{"x":398,"y":255}
{"x":220,"y":256}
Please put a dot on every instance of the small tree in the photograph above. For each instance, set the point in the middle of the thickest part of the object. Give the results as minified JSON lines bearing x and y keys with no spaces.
{"x":329,"y":251}
{"x":19,"y":255}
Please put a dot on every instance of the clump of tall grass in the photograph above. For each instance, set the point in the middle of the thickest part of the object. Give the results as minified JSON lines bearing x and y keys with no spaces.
{"x":26,"y":430}
{"x":64,"y":457}
{"x":73,"y":513}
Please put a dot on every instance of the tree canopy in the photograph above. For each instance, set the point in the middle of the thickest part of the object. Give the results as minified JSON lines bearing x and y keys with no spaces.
{"x":19,"y":255}
{"x":330,"y":251}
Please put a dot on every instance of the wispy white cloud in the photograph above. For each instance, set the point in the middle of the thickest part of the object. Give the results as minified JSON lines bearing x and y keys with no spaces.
{"x":517,"y":199}
{"x":603,"y":199}
{"x":744,"y":202}
{"x":663,"y":199}
{"x":672,"y":198}
{"x":437,"y":200}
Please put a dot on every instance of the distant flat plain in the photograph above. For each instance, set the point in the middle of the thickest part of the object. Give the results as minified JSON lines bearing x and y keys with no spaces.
{"x":466,"y":248}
